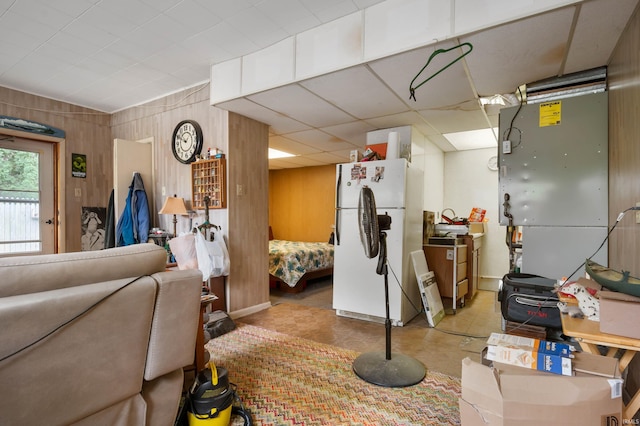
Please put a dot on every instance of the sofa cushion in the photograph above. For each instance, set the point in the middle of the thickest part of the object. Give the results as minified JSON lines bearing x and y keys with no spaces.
{"x":48,"y":272}
{"x":77,"y":350}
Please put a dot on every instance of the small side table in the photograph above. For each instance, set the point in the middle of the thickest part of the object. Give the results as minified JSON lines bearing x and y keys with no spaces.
{"x":217,"y":287}
{"x":199,"y":359}
{"x":588,"y":333}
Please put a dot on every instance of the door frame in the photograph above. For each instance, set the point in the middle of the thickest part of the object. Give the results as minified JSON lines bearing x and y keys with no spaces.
{"x":59,"y":181}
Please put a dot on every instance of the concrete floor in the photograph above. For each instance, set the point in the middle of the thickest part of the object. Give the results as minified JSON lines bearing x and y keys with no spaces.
{"x":309,"y":315}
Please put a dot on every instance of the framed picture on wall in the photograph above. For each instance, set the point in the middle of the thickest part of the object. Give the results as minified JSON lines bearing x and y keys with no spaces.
{"x":79,"y":165}
{"x":93,"y":228}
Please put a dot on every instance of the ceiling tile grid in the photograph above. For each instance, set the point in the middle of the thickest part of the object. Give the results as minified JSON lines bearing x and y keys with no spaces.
{"x":357,"y":58}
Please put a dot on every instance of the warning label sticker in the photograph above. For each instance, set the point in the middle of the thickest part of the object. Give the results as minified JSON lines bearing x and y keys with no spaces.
{"x":550,"y":113}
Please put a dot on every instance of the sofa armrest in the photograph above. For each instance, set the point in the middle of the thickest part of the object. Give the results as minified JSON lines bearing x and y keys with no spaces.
{"x":175,"y":322}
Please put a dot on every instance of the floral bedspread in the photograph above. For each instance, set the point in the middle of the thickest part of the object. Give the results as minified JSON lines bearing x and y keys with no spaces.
{"x":290,"y":260}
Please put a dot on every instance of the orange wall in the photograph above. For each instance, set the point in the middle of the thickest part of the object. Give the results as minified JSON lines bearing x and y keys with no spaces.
{"x":302,"y":203}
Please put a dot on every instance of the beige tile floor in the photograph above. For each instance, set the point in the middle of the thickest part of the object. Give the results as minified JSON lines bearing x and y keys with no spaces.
{"x":309,"y":315}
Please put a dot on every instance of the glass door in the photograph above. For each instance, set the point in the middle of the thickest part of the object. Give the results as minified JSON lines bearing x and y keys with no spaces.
{"x":27,"y":212}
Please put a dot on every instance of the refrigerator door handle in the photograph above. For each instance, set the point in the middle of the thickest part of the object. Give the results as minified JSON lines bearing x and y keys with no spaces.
{"x":338,"y":184}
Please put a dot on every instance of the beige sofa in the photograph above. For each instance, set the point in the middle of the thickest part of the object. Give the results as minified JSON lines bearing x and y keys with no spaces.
{"x":95,"y":338}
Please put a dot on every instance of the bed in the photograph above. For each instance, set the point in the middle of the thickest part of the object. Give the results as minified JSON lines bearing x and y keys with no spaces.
{"x":293,"y":263}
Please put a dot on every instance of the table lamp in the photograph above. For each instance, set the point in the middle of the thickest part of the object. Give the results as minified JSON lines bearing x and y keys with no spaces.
{"x":175,"y":206}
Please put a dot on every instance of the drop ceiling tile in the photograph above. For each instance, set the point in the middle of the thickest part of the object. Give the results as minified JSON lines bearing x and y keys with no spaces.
{"x":257,"y":27}
{"x":18,"y":27}
{"x":319,"y":140}
{"x":334,"y":157}
{"x":225,"y":8}
{"x":396,"y":26}
{"x":90,"y":33}
{"x":282,"y":12}
{"x":596,"y":33}
{"x":73,"y":8}
{"x":472,"y":15}
{"x":508,"y":52}
{"x":270,"y":67}
{"x":41,"y":12}
{"x":71,"y":43}
{"x":292,"y":147}
{"x":295,"y":101}
{"x":438,"y":84}
{"x":100,"y":17}
{"x":293,"y":162}
{"x":327,"y":11}
{"x":160,"y":31}
{"x":358,"y":92}
{"x":279,"y":123}
{"x":396,"y":120}
{"x":472,"y":139}
{"x":354,"y":132}
{"x":193,"y":17}
{"x":333,"y":46}
{"x":441,"y":142}
{"x":50,"y":54}
{"x":133,"y":11}
{"x":467,"y":116}
{"x":227,"y":37}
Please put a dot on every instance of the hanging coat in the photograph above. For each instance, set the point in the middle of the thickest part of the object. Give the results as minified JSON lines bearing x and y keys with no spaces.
{"x":133,"y":225}
{"x":110,"y":226}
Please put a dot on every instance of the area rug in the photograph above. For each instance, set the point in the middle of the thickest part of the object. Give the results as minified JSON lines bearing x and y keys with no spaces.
{"x":286,"y":380}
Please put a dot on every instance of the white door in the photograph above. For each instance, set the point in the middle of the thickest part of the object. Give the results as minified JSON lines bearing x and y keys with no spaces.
{"x":28,"y":216}
{"x":130,"y":157}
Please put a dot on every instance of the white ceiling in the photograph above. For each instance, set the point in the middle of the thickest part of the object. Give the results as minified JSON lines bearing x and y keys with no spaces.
{"x":113,"y":54}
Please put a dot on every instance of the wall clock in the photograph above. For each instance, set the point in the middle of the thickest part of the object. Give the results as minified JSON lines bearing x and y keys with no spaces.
{"x":186,"y":142}
{"x":492,"y":164}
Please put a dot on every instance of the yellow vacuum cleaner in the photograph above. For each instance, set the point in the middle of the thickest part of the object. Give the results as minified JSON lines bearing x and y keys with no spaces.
{"x":210,"y":398}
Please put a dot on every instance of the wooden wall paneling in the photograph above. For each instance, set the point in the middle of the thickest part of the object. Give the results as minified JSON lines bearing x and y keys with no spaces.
{"x":87,"y":132}
{"x":302,"y":203}
{"x":248,"y":200}
{"x":158,"y":119}
{"x":624,"y":147}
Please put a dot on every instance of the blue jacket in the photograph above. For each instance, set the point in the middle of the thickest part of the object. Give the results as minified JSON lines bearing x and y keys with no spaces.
{"x":133,"y":225}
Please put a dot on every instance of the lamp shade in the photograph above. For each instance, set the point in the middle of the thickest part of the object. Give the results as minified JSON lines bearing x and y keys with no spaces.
{"x":174,"y":205}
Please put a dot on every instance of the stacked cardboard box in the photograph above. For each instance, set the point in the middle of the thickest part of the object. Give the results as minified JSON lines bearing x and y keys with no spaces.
{"x":536,"y":354}
{"x":503,"y":394}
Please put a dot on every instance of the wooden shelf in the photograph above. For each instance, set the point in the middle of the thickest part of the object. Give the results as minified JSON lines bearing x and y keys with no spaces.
{"x":208,"y":178}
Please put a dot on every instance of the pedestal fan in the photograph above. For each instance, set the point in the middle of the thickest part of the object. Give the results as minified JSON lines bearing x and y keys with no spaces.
{"x":382,"y":368}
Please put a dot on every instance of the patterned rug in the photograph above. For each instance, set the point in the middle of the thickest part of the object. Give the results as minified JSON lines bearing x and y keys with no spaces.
{"x":286,"y":380}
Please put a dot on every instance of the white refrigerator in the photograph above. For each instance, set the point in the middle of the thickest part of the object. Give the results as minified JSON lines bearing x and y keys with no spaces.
{"x":358,"y":291}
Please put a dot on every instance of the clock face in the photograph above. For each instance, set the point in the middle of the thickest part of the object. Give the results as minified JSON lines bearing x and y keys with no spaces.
{"x":187,"y":141}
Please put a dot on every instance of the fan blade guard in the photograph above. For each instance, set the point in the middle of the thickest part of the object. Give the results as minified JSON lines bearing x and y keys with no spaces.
{"x":368,"y":222}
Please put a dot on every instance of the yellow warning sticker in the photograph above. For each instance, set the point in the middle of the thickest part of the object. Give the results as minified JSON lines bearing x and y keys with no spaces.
{"x":550,"y":113}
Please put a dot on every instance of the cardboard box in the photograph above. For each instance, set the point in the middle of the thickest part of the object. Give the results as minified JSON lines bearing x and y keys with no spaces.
{"x":619,"y":313}
{"x":505,"y":395}
{"x":538,"y":345}
{"x":379,"y":148}
{"x":355,"y":156}
{"x":535,"y":354}
{"x":476,"y":227}
{"x":530,"y":359}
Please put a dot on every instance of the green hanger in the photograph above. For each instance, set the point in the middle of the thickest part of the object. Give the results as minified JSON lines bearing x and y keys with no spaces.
{"x":412,"y":89}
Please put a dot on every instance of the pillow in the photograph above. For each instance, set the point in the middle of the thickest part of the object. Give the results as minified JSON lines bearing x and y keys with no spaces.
{"x":184,"y":250}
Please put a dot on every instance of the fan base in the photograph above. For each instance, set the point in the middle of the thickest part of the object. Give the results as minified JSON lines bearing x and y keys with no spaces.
{"x":399,"y":371}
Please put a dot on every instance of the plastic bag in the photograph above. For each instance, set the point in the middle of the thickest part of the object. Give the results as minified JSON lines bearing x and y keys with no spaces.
{"x":213,"y":257}
{"x":218,"y":249}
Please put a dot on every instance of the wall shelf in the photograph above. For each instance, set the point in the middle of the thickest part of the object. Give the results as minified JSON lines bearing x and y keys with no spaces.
{"x":208,"y":178}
